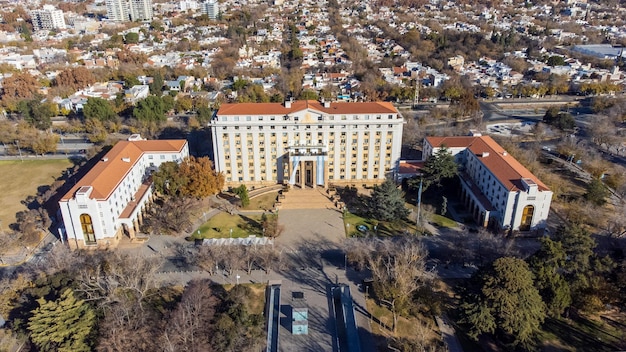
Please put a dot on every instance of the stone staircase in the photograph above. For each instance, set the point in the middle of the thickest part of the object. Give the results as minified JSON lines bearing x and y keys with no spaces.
{"x":308,"y":198}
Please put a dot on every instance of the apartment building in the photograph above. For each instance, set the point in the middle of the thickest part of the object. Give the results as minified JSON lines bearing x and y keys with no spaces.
{"x":129,"y":10}
{"x":495,"y":187}
{"x":210,"y":8}
{"x":306,"y":143}
{"x":109,"y":202}
{"x":48,"y":18}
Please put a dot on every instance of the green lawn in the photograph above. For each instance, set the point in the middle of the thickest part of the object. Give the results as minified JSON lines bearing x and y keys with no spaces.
{"x":582,"y":335}
{"x":19,"y":180}
{"x":220,"y":225}
{"x":443,"y":221}
{"x":263,"y":202}
{"x":383,"y":228}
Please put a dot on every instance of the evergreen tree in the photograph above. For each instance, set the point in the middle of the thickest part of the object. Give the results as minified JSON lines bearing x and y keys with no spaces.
{"x":98,"y":108}
{"x":66,"y":324}
{"x":156,"y":87}
{"x":151,"y":109}
{"x":387,"y":202}
{"x":505,"y":302}
{"x":439,"y":166}
{"x":596,"y":192}
{"x":242,"y":192}
{"x":547,"y":264}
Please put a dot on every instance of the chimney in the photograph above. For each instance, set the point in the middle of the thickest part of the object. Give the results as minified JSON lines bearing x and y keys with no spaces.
{"x":485,"y":154}
{"x":504,"y":153}
{"x":105,"y":159}
{"x":126,"y":160}
{"x":327,"y":104}
{"x":288,"y":103}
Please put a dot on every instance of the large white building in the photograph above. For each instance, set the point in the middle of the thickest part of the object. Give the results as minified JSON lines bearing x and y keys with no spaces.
{"x":210,"y":8}
{"x":495,"y":187}
{"x":306,"y":143}
{"x":48,"y":18}
{"x":129,"y":10}
{"x":110,"y":200}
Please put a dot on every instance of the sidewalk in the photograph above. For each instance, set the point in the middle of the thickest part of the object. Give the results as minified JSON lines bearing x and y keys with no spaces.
{"x":26,"y":254}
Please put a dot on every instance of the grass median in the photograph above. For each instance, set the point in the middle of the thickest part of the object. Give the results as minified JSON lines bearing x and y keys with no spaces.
{"x":220,"y":226}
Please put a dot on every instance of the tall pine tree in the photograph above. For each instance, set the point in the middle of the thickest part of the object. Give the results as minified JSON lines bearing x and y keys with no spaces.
{"x":65,"y":325}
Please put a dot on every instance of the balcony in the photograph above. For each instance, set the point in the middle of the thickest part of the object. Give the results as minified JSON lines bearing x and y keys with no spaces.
{"x":307,"y":150}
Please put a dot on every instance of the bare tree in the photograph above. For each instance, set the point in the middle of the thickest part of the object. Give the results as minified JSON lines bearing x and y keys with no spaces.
{"x":268,"y":258}
{"x":188,"y":326}
{"x":206,"y":258}
{"x":490,"y":247}
{"x":398,"y":268}
{"x":231,"y":258}
{"x":119,"y":275}
{"x":250,"y":257}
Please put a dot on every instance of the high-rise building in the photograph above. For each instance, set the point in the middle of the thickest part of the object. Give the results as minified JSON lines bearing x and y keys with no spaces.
{"x":306,"y":143}
{"x":210,"y":8}
{"x":47,"y":18}
{"x":140,"y":10}
{"x":129,"y":10}
{"x":117,"y":10}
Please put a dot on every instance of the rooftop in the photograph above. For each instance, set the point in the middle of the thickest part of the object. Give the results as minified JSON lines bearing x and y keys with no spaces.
{"x":113,"y":167}
{"x":300,"y":105}
{"x":504,"y":167}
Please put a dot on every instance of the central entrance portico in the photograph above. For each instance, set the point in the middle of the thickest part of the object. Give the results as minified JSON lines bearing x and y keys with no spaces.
{"x":307,"y":166}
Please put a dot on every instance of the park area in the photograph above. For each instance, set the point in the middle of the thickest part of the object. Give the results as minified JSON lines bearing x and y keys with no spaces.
{"x":18,"y":180}
{"x":221,"y":225}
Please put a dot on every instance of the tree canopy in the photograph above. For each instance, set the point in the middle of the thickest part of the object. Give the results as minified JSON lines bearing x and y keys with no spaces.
{"x":438,"y":167}
{"x":242,"y":192}
{"x":98,"y":108}
{"x":505,"y":302}
{"x":151,"y":109}
{"x":559,"y":119}
{"x":66,"y":324}
{"x":387,"y":202}
{"x":547,"y":264}
{"x":38,"y":114}
{"x":596,"y":192}
{"x":194,"y":177}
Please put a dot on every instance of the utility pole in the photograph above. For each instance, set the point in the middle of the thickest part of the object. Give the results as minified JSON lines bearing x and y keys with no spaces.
{"x":419,"y":204}
{"x":416,"y":97}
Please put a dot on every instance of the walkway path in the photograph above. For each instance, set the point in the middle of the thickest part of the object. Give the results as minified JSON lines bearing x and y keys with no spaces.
{"x":448,"y":334}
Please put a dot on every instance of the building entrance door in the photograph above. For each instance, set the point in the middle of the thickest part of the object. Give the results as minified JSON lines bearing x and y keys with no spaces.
{"x":527,"y":218}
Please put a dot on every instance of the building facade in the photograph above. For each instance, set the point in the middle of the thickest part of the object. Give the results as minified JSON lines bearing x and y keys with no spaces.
{"x":48,"y":18}
{"x":306,"y":143}
{"x":129,"y":10}
{"x":210,"y":8}
{"x":111,"y":199}
{"x":497,"y":189}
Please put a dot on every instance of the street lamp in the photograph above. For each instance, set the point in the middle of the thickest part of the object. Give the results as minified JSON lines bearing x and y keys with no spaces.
{"x":231,"y":233}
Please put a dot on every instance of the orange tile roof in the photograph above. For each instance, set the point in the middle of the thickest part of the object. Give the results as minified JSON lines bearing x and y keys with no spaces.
{"x":299,"y":105}
{"x":106,"y":175}
{"x":504,"y":167}
{"x":410,"y":167}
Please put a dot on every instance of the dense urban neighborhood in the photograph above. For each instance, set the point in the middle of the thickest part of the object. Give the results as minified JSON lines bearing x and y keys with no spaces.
{"x":335,"y":175}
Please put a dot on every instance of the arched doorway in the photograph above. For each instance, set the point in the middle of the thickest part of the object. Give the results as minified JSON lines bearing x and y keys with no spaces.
{"x":87,"y":225}
{"x":527,"y":218}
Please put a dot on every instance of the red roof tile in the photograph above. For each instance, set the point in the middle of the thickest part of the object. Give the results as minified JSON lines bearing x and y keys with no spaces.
{"x":106,"y":175}
{"x":504,"y":167}
{"x":300,"y":105}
